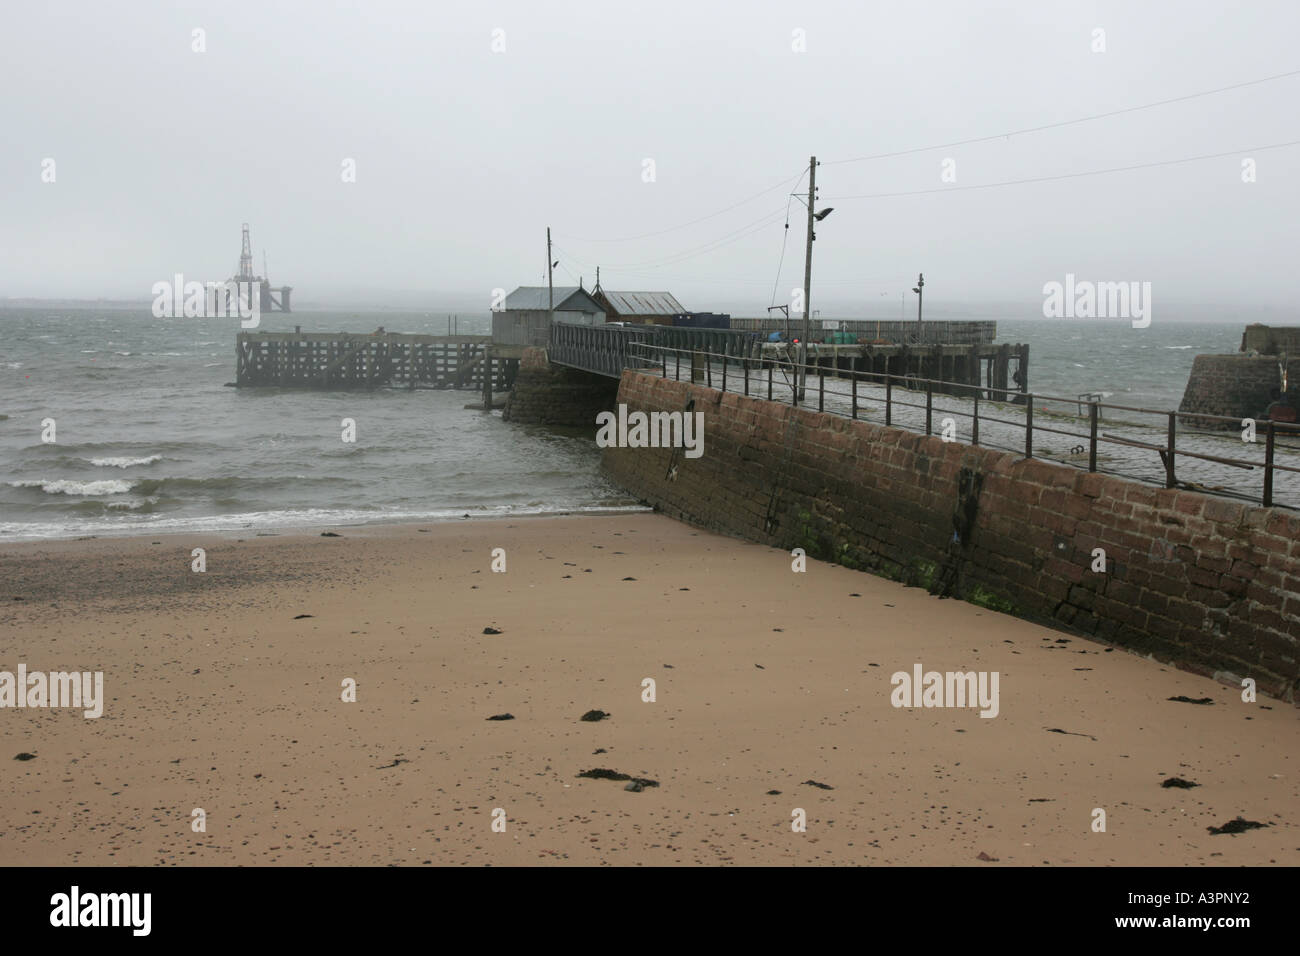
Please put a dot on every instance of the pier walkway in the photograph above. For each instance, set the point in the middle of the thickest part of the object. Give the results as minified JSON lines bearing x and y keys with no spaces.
{"x":961,"y":368}
{"x":1161,"y":447}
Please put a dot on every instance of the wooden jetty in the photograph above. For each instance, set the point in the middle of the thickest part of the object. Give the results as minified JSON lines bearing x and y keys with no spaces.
{"x":343,"y":360}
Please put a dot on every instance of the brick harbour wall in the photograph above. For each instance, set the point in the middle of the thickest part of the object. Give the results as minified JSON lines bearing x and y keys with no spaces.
{"x":1205,"y":583}
{"x":1234,"y":385}
{"x":546,"y":394}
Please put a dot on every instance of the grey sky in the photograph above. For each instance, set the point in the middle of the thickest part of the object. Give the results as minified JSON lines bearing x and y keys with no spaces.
{"x":464,"y":156}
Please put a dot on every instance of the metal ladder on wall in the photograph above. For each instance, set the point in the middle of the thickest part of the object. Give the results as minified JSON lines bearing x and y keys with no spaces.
{"x":770,"y":524}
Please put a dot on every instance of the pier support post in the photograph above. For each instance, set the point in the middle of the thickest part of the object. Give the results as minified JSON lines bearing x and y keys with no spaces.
{"x":1001,"y":371}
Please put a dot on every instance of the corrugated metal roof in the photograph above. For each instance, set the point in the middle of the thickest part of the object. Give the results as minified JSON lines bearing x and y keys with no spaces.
{"x":643,"y":303}
{"x":538,"y":297}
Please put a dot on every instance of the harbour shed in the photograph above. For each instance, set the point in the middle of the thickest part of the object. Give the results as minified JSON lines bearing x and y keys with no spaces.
{"x":523,"y":321}
{"x":644,"y":308}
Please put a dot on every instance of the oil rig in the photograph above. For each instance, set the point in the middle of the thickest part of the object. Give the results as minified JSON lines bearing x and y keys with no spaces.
{"x":272,"y":300}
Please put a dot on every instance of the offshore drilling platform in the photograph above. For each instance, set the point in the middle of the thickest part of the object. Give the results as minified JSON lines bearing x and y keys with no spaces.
{"x":272,"y":300}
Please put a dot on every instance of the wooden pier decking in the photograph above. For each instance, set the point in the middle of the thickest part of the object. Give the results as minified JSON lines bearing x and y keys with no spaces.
{"x":342,"y":360}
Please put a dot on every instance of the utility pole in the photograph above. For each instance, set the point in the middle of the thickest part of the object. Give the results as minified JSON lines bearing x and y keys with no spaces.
{"x":920,"y":297}
{"x":550,"y":287}
{"x":807,"y":278}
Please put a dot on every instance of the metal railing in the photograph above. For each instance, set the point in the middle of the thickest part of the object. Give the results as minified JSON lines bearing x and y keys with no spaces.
{"x":608,"y":349}
{"x":603,"y":349}
{"x":894,"y":331}
{"x":781,"y":383}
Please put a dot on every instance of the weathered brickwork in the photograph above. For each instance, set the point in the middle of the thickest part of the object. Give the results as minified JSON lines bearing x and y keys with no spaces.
{"x":546,"y":394}
{"x":1208,"y":584}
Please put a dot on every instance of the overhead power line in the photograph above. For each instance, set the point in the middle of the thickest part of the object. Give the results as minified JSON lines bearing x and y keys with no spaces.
{"x":713,"y":215}
{"x":570,"y":256}
{"x":725,"y":239}
{"x":919,"y":149}
{"x":894,"y":281}
{"x":728,"y":238}
{"x":756,"y":226}
{"x":964,"y":142}
{"x":1079,"y":175}
{"x":785,"y":238}
{"x":772,"y":217}
{"x":1071,"y":122}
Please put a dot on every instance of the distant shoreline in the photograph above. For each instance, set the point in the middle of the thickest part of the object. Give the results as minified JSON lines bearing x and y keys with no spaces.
{"x":1029,"y":310}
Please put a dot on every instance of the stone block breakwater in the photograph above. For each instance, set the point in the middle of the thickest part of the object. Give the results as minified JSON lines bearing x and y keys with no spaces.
{"x":1208,"y":584}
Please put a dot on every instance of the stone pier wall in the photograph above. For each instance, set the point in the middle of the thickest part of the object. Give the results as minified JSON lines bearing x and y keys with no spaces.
{"x":1238,"y":386}
{"x":1271,"y":339}
{"x":1205,"y":583}
{"x":546,"y":394}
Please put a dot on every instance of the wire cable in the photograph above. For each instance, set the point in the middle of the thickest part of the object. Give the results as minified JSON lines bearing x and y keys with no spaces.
{"x":712,"y":215}
{"x":963,"y":142}
{"x":1079,"y":175}
{"x":1072,"y":122}
{"x":785,"y":240}
{"x":725,"y":239}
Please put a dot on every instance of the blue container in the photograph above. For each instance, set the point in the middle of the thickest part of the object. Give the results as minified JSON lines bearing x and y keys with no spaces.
{"x":702,"y":320}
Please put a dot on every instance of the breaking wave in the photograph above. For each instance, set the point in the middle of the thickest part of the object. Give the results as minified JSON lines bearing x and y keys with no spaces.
{"x":124,"y":462}
{"x":67,"y":487}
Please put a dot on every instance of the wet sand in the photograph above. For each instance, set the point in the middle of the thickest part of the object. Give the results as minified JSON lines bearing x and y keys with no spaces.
{"x":218,"y":698}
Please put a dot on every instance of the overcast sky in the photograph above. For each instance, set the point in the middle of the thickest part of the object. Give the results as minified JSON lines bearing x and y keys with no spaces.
{"x":464,"y":155}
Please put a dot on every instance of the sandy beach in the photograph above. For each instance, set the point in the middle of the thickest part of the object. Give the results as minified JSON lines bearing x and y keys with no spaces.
{"x":772,"y":694}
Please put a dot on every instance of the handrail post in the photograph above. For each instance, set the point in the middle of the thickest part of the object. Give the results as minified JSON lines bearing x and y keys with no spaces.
{"x":708,"y":369}
{"x":1029,"y":425}
{"x":821,"y":388}
{"x":854,"y":376}
{"x":769,"y":381}
{"x":1268,"y":466}
{"x":1170,"y":481}
{"x":677,"y":373}
{"x":1092,"y":436}
{"x":796,"y":368}
{"x":975,"y":422}
{"x":724,"y":371}
{"x":929,"y":404}
{"x":744,"y":367}
{"x":889,"y":400}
